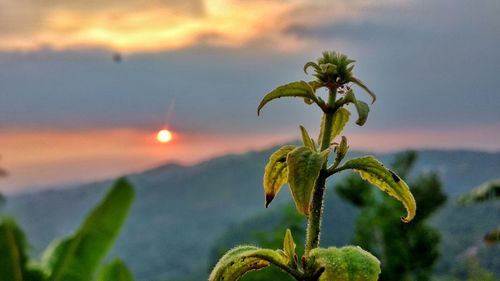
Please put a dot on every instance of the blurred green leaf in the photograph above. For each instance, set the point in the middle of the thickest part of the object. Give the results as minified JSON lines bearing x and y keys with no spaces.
{"x":294,"y":89}
{"x":486,"y":191}
{"x":492,"y":237}
{"x":276,"y":172}
{"x":12,"y":251}
{"x":304,"y":166}
{"x":77,"y":258}
{"x":373,"y":171}
{"x":115,"y":271}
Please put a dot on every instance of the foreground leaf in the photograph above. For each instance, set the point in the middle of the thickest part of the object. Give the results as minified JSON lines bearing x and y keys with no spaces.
{"x":276,"y":173}
{"x":76,"y":258}
{"x":289,"y":248}
{"x":294,"y":89}
{"x":363,"y":109}
{"x":304,"y":166}
{"x":345,"y":264}
{"x":340,"y":119}
{"x":115,"y":271}
{"x":242,"y":259}
{"x":306,"y":139}
{"x":373,"y":171}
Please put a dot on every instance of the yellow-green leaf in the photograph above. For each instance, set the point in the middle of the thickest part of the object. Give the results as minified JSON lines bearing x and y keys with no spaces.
{"x":304,"y":166}
{"x":349,"y":263}
{"x":289,"y":247}
{"x":276,"y":173}
{"x":242,"y":259}
{"x":294,"y":89}
{"x":374,"y":172}
{"x":306,"y":139}
{"x":340,"y":119}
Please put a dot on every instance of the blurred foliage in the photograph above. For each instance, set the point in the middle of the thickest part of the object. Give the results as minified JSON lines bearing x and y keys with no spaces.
{"x":75,"y":258}
{"x":407,"y":251}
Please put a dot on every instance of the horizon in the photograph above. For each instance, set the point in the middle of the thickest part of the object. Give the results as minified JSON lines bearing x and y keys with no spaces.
{"x":86,"y":85}
{"x":22,"y":190}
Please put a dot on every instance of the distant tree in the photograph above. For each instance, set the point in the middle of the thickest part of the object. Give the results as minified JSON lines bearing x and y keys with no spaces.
{"x":406,"y":251}
{"x":487,"y":191}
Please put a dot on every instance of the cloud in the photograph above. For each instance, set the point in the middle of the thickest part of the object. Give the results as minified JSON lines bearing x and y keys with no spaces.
{"x":139,"y":25}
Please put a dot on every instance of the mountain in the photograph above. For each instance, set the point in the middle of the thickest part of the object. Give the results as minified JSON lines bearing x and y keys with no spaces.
{"x":181,"y":211}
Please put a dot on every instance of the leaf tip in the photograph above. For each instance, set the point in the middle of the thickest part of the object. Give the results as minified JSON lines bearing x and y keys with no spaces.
{"x":269,"y":198}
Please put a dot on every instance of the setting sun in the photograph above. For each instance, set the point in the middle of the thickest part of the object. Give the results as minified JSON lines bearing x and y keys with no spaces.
{"x":164,"y":136}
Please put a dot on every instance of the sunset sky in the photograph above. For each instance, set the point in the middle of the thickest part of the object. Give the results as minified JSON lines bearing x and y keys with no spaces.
{"x":69,"y":113}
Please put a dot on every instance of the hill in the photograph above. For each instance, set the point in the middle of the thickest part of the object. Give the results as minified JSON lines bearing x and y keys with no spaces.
{"x":180,"y":211}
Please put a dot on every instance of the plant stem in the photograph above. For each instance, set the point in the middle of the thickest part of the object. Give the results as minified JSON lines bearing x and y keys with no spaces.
{"x":316,"y":206}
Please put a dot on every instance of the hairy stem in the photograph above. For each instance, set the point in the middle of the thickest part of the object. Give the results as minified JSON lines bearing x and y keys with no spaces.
{"x":316,"y":206}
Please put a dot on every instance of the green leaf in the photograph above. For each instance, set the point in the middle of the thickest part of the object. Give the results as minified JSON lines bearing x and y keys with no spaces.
{"x":363,"y":109}
{"x":487,"y":191}
{"x":242,"y":259}
{"x":374,"y":172}
{"x":349,"y":263}
{"x":304,"y":166}
{"x":115,"y":271}
{"x":340,"y":119}
{"x":306,"y":139}
{"x":341,"y":150}
{"x":77,"y":258}
{"x":364,"y":87}
{"x":289,"y":248}
{"x":276,"y":173}
{"x":313,"y":65}
{"x":294,"y":89}
{"x":12,"y":251}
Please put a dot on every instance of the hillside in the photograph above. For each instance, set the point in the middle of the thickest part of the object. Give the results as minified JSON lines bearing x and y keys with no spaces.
{"x":181,"y":211}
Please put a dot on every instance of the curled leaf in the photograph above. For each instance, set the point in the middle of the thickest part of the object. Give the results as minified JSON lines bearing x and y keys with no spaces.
{"x":363,"y":109}
{"x":374,"y":172}
{"x":349,"y":263}
{"x":304,"y":166}
{"x":276,"y":173}
{"x":242,"y":259}
{"x":313,"y":65}
{"x":294,"y":89}
{"x":364,"y":87}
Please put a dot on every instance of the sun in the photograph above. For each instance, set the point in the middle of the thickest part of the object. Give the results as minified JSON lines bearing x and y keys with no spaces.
{"x":164,"y":136}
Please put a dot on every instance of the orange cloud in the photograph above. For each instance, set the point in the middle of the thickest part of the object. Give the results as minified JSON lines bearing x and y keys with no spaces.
{"x":139,"y":25}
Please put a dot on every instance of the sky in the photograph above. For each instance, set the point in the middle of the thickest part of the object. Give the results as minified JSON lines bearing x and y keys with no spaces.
{"x":70,"y":114}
